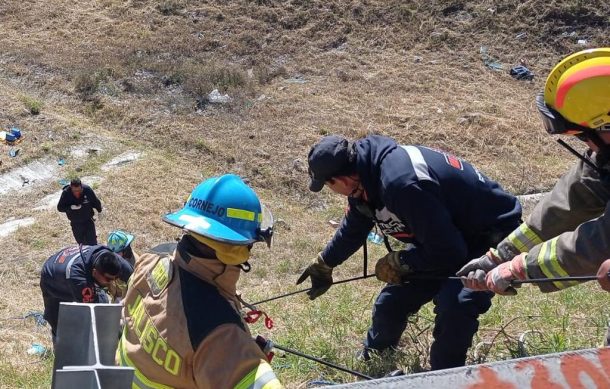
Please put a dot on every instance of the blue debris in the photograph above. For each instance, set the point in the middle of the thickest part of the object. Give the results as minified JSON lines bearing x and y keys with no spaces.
{"x":375,"y":238}
{"x":13,"y":152}
{"x":521,"y":73}
{"x":38,"y":318}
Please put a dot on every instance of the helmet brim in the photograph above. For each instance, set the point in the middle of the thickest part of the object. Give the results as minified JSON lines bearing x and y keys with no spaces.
{"x":208,"y":227}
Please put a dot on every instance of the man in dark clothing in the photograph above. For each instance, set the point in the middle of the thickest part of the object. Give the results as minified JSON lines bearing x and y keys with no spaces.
{"x":78,"y":201}
{"x":441,"y":206}
{"x":75,"y":274}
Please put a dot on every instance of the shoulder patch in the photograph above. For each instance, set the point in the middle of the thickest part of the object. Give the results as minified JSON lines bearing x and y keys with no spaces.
{"x":160,"y":276}
{"x":453,"y":161}
{"x":204,"y":308}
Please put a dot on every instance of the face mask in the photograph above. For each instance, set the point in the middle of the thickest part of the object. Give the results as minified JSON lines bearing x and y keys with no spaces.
{"x":229,"y":254}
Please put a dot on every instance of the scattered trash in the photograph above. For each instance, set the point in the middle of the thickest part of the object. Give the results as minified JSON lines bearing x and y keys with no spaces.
{"x":489,"y":61}
{"x":61,"y":162}
{"x":216,"y":98}
{"x":582,"y":42}
{"x":13,"y":152}
{"x":521,"y":35}
{"x":63,"y":182}
{"x":333,"y":223}
{"x":37,"y":349}
{"x":16,"y":132}
{"x":521,"y":73}
{"x":375,"y":238}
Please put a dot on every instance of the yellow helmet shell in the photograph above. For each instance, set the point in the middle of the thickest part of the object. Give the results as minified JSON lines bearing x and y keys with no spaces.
{"x":578,"y":88}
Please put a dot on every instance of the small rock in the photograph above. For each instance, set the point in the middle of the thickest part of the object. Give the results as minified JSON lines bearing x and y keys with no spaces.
{"x":299,"y":166}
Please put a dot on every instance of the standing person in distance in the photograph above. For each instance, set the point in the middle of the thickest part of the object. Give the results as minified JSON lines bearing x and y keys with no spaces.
{"x":78,"y":201}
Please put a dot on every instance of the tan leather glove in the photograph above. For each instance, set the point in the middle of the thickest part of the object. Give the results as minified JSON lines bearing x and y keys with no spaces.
{"x":321,"y":277}
{"x":390,"y":269}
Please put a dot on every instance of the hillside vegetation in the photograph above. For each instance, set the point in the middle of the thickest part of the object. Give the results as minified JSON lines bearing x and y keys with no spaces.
{"x":120,"y":76}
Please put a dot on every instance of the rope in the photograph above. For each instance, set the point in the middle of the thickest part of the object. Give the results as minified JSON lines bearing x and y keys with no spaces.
{"x":323,"y":362}
{"x":305,"y":290}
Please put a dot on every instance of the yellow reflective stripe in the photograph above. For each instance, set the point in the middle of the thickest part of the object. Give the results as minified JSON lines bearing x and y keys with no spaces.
{"x":523,"y":238}
{"x":241,"y":214}
{"x":261,"y":377}
{"x":140,"y":381}
{"x":549,"y":264}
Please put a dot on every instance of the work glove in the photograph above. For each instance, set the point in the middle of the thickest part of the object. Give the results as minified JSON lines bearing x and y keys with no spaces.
{"x":500,"y":279}
{"x":321,"y":277}
{"x":74,"y":207}
{"x":392,"y":268}
{"x":603,"y":275}
{"x":474,"y":272}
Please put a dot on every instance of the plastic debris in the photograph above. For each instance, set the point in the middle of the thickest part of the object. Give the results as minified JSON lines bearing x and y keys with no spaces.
{"x":521,"y":73}
{"x":38,"y":318}
{"x":375,"y":238}
{"x":61,"y":162}
{"x":13,"y":152}
{"x":582,"y":42}
{"x":489,"y":61}
{"x":63,"y":182}
{"x":16,"y":132}
{"x":333,"y":223}
{"x":37,"y":349}
{"x":215,"y":97}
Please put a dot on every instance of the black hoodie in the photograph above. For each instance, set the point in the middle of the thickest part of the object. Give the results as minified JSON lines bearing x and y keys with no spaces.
{"x":87,"y":200}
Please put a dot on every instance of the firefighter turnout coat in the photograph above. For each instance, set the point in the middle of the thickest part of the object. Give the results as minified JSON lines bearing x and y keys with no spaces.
{"x":568,"y":233}
{"x":183,"y":327}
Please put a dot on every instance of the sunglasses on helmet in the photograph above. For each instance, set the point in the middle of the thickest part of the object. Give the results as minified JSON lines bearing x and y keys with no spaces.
{"x":556,"y":124}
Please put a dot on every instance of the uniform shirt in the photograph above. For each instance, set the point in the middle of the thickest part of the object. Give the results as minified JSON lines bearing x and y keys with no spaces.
{"x":87,"y":200}
{"x":438,"y":202}
{"x":68,"y":274}
{"x":568,"y":232}
{"x":183,"y":328}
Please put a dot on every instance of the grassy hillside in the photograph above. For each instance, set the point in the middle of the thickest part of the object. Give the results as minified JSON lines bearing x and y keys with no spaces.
{"x":134,"y":76}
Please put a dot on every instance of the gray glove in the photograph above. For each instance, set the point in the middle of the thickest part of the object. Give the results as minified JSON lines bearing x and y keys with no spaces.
{"x":474,"y":272}
{"x":321,"y":277}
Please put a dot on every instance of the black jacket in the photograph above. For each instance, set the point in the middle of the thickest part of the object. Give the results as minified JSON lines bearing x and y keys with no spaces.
{"x":68,"y":274}
{"x":88,"y":201}
{"x":437,"y":202}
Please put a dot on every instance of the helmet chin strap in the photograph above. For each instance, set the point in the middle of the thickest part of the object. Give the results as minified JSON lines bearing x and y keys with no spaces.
{"x":604,"y":153}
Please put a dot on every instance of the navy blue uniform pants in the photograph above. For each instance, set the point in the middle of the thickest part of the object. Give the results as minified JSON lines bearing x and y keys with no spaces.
{"x":457,"y":310}
{"x":84,"y":232}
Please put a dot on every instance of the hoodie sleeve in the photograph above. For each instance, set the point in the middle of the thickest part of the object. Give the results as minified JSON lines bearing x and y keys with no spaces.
{"x":95,"y":202}
{"x":62,"y":205}
{"x":82,"y":290}
{"x":349,"y":237}
{"x":126,"y":269}
{"x":439,"y":243}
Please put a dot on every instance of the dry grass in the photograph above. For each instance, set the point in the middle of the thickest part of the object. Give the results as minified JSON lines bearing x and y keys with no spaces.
{"x":131,"y":75}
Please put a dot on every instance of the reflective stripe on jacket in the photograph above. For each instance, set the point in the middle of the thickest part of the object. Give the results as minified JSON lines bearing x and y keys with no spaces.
{"x":568,"y":232}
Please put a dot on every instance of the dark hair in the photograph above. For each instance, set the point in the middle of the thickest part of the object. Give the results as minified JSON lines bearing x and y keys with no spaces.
{"x":108,"y":263}
{"x":75,"y":182}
